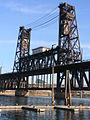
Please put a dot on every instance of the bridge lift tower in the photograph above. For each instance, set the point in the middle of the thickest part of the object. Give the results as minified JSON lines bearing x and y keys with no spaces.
{"x":22,"y":51}
{"x":69,"y":41}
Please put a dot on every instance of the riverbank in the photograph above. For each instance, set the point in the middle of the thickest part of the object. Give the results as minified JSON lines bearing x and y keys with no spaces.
{"x":46,"y":93}
{"x":26,"y":94}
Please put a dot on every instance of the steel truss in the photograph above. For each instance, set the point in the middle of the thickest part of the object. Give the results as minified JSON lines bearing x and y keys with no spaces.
{"x":22,"y":51}
{"x":67,"y":56}
{"x":68,"y":35}
{"x":68,"y":39}
{"x":79,"y":76}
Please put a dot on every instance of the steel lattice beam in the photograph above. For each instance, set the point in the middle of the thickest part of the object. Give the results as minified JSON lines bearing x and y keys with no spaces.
{"x":67,"y":56}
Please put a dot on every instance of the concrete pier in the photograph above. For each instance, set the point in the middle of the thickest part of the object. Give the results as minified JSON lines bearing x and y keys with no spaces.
{"x":46,"y":93}
{"x":75,"y":94}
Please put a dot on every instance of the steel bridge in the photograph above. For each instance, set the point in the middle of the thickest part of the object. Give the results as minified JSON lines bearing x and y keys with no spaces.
{"x":35,"y":71}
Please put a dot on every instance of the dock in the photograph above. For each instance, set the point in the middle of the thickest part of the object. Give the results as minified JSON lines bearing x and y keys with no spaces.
{"x":38,"y":108}
{"x":33,"y":108}
{"x":72,"y":108}
{"x":8,"y":108}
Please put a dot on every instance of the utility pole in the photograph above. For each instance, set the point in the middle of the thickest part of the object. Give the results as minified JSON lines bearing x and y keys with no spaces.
{"x":53,"y":84}
{"x":68,"y":98}
{"x":52,"y":76}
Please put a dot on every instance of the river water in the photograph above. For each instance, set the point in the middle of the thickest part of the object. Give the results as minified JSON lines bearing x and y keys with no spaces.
{"x":47,"y":115}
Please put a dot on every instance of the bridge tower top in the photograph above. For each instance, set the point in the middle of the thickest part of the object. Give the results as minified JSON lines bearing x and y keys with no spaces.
{"x":68,"y":35}
{"x":22,"y":49}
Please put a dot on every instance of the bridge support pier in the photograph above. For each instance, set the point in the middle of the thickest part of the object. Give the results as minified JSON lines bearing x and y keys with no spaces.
{"x":22,"y":88}
{"x":21,"y":92}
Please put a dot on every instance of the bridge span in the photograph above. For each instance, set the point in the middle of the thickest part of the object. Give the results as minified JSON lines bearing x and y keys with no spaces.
{"x":80,"y":73}
{"x":35,"y":71}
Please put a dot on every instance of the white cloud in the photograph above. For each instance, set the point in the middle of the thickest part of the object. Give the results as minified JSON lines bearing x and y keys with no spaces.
{"x":25,"y":9}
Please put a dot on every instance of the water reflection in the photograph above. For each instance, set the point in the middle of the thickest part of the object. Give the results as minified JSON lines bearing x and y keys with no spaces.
{"x":52,"y":114}
{"x":48,"y":114}
{"x":31,"y":115}
{"x":21,"y":101}
{"x":68,"y":115}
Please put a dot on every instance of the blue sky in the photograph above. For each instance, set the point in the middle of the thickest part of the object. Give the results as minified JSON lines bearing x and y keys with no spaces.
{"x":15,"y":13}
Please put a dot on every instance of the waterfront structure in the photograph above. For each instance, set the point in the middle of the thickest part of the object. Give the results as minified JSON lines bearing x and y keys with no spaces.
{"x":66,"y":56}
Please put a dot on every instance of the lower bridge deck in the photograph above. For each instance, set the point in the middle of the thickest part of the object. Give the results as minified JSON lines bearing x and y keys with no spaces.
{"x":79,"y":76}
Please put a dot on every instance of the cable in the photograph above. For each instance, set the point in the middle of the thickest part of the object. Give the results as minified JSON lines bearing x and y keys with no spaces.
{"x":46,"y":15}
{"x":45,"y":22}
{"x":46,"y":25}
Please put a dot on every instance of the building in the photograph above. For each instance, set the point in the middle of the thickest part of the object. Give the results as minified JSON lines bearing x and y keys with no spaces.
{"x":39,"y":50}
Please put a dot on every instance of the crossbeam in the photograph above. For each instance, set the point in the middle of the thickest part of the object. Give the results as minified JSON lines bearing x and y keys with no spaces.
{"x":76,"y":67}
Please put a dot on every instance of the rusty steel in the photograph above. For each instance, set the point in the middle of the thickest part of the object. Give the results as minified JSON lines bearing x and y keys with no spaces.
{"x":66,"y":56}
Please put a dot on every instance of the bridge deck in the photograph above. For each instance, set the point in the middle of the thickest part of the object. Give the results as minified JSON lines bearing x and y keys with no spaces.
{"x":83,"y":65}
